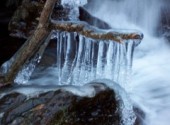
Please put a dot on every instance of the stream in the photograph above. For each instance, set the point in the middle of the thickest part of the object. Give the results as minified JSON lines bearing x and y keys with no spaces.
{"x":150,"y":82}
{"x":142,"y":70}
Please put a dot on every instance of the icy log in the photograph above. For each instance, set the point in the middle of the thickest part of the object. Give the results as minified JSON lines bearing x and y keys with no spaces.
{"x":92,"y":32}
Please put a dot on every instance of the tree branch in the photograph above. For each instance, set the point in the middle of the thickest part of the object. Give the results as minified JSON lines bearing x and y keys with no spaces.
{"x":92,"y":32}
{"x":32,"y":44}
{"x":46,"y":13}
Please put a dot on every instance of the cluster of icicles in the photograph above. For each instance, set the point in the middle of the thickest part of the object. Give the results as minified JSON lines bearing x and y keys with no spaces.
{"x":81,"y":60}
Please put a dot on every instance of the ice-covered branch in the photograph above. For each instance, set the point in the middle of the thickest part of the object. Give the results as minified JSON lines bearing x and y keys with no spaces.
{"x":42,"y":33}
{"x":92,"y":32}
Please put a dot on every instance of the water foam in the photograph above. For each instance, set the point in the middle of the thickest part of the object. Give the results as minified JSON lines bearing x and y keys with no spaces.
{"x":150,"y":84}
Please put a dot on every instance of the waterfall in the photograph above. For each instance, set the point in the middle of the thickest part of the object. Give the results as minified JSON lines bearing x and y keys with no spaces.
{"x":81,"y":60}
{"x":150,"y":78}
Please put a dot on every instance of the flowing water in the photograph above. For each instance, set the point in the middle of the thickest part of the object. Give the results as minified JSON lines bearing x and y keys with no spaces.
{"x":81,"y":60}
{"x":150,"y":85}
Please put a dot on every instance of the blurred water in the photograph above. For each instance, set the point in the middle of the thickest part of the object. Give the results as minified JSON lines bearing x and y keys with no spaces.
{"x":150,"y":82}
{"x":150,"y":85}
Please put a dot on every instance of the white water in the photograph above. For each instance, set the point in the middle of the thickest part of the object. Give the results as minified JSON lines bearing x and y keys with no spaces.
{"x":150,"y":85}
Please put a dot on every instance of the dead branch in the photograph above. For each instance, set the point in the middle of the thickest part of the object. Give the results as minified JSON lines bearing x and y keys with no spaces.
{"x":92,"y":32}
{"x":32,"y":44}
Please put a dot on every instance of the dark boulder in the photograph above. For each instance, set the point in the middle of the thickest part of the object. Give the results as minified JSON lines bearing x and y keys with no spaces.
{"x":61,"y":107}
{"x":8,"y":45}
{"x":140,"y":120}
{"x":99,"y":110}
{"x":10,"y":101}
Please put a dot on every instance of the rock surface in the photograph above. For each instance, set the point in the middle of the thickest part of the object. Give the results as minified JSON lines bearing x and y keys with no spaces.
{"x":26,"y":17}
{"x":61,"y":107}
{"x":8,"y":45}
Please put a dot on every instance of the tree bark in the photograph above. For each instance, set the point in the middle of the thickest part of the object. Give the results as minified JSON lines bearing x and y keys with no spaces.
{"x":92,"y":32}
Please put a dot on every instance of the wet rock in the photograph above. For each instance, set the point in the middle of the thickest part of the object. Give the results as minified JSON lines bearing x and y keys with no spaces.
{"x":140,"y":116}
{"x":10,"y":101}
{"x":99,"y":110}
{"x":8,"y":45}
{"x":60,"y":13}
{"x":25,"y":18}
{"x":165,"y":32}
{"x":30,"y":110}
{"x":61,"y":107}
{"x":164,"y":22}
{"x":94,"y":21}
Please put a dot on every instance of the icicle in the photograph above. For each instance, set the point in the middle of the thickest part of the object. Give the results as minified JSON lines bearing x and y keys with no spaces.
{"x":66,"y":66}
{"x":78,"y":61}
{"x":93,"y":61}
{"x":81,"y":60}
{"x":109,"y":68}
{"x":99,"y":72}
{"x":24,"y":75}
{"x":122,"y":65}
{"x":86,"y":59}
{"x":130,"y":46}
{"x":59,"y":50}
